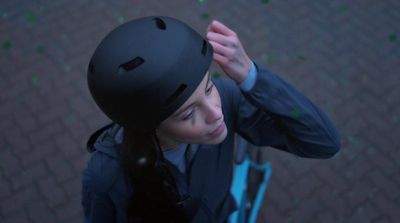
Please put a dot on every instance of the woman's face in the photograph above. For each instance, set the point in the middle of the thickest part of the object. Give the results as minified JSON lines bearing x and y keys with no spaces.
{"x":199,"y":120}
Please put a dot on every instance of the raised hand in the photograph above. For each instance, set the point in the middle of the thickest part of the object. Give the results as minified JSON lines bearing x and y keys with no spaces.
{"x":228,"y":51}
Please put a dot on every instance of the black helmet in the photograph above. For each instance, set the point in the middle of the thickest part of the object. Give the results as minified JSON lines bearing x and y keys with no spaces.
{"x":145,"y":69}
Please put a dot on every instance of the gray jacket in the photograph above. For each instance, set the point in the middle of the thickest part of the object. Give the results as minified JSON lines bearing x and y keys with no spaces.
{"x":272,"y":113}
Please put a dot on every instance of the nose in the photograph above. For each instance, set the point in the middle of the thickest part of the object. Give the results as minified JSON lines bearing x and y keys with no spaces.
{"x":214,"y":113}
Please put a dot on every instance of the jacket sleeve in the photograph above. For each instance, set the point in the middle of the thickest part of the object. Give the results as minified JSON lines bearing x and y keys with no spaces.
{"x":97,"y":205}
{"x":274,"y":113}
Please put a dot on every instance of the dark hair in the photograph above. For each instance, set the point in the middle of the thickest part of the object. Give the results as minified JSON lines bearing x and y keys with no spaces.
{"x":155,"y":195}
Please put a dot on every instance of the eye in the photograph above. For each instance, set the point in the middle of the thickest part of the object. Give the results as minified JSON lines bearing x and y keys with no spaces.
{"x":188,"y":116}
{"x":209,"y":90}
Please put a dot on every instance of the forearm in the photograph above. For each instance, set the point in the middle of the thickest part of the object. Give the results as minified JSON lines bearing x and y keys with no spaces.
{"x":309,"y":131}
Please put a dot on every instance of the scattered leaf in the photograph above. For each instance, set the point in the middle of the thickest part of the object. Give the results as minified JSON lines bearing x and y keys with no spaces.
{"x":205,"y":16}
{"x":34,"y":80}
{"x":67,"y":68}
{"x":343,"y":8}
{"x":300,"y":57}
{"x":350,"y":194}
{"x":40,"y":49}
{"x":271,"y":59}
{"x":121,"y":19}
{"x":373,"y":192}
{"x":7,"y":44}
{"x":392,"y":37}
{"x":345,"y":82}
{"x":350,"y":139}
{"x":216,"y":75}
{"x":264,"y":1}
{"x":70,"y":117}
{"x":360,"y":210}
{"x":31,"y":18}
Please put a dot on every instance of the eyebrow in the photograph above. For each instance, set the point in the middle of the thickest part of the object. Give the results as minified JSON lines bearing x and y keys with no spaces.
{"x":208,"y":81}
{"x":191,"y":104}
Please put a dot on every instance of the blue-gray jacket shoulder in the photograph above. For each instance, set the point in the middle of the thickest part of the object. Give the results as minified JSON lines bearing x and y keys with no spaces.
{"x":274,"y":113}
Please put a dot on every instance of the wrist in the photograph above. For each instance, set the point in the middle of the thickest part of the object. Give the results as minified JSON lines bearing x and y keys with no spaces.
{"x":243,"y":76}
{"x":250,"y":80}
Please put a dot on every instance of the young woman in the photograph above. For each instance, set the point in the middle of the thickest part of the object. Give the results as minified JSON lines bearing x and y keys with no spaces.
{"x":168,"y":157}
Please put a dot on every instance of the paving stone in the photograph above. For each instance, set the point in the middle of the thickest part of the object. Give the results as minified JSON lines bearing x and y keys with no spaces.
{"x":17,"y":201}
{"x":28,"y":175}
{"x":60,"y":167}
{"x":52,"y":191}
{"x":341,"y":54}
{"x":39,"y":212}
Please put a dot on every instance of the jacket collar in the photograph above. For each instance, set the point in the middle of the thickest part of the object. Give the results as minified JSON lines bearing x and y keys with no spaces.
{"x":109,"y":141}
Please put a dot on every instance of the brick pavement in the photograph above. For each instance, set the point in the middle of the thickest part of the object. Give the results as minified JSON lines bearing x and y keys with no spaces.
{"x":344,"y":55}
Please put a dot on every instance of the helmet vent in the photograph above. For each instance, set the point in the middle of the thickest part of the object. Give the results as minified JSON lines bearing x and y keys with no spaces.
{"x":130,"y":65}
{"x":204,"y":48}
{"x":175,"y":95}
{"x":160,"y":23}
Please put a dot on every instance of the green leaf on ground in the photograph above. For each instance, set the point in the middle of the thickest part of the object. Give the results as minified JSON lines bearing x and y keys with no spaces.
{"x":70,"y":117}
{"x":392,"y":37}
{"x":344,"y":82}
{"x":300,"y":57}
{"x":216,"y":75}
{"x":31,"y":18}
{"x":343,"y":8}
{"x":350,"y":194}
{"x":205,"y":16}
{"x":360,"y":210}
{"x":7,"y":44}
{"x":121,"y":19}
{"x":40,"y":49}
{"x":67,"y":68}
{"x":34,"y":80}
{"x":271,"y":59}
{"x":264,"y":1}
{"x":372,"y":193}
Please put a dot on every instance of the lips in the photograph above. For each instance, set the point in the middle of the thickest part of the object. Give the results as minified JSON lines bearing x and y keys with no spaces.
{"x":216,"y":129}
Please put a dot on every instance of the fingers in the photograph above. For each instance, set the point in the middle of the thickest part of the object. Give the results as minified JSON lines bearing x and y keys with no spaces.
{"x":221,"y":39}
{"x":220,"y":59}
{"x":218,"y":27}
{"x":220,"y":49}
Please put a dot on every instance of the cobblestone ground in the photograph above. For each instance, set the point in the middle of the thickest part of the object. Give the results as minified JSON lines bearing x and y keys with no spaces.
{"x":343,"y":55}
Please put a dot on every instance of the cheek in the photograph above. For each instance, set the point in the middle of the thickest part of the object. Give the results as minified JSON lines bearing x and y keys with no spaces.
{"x":189,"y":132}
{"x":217,"y":101}
{"x":216,"y":98}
